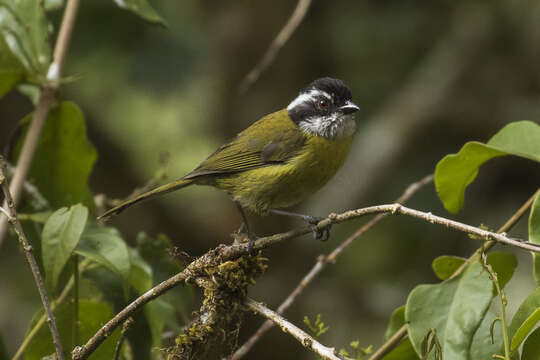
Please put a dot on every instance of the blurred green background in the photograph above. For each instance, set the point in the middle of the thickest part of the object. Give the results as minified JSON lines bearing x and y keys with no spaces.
{"x":428,"y":76}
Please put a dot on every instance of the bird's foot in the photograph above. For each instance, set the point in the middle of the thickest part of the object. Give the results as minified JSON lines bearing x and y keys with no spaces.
{"x":242,"y":235}
{"x":318,"y":234}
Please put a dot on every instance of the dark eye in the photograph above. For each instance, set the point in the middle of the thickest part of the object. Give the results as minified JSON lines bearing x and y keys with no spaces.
{"x":323,"y":104}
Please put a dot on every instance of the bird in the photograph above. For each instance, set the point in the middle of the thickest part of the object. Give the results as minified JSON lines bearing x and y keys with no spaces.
{"x":279,"y":160}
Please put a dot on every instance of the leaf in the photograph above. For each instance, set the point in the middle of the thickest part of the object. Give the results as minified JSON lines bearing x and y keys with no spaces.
{"x":455,"y":308}
{"x":444,"y":266}
{"x":534,"y":236}
{"x":92,"y":315}
{"x":503,"y":264}
{"x":64,"y":158}
{"x":143,"y":9}
{"x":38,"y":217}
{"x":523,"y":313}
{"x":23,"y":27}
{"x":456,"y":171}
{"x":11,"y":71}
{"x":51,"y":5}
{"x":105,"y":246}
{"x":482,"y":347}
{"x":60,"y":236}
{"x":396,"y":321}
{"x":531,"y":348}
{"x":524,"y":329}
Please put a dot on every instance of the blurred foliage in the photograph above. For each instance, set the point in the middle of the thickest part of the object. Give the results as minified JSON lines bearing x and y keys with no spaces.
{"x":145,"y":90}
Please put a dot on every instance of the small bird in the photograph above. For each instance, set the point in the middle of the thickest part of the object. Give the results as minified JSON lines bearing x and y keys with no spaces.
{"x":280,"y":159}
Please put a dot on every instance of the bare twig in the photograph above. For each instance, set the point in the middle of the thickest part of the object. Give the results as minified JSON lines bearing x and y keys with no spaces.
{"x":12,"y":219}
{"x":280,"y":40}
{"x":402,"y":332}
{"x":320,"y":265}
{"x":125,"y":328}
{"x":307,"y":341}
{"x":46,"y":99}
{"x":391,"y":343}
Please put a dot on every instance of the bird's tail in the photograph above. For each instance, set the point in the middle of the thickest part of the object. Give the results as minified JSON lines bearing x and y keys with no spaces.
{"x":175,"y":185}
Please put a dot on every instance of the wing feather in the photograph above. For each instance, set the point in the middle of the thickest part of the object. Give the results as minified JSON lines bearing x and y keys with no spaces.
{"x":272,"y":140}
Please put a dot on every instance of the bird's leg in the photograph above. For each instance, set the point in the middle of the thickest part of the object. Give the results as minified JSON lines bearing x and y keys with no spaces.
{"x":245,"y":227}
{"x":322,"y":235}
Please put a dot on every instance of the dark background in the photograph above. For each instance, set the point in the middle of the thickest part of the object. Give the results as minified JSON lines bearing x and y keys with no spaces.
{"x":428,"y":76}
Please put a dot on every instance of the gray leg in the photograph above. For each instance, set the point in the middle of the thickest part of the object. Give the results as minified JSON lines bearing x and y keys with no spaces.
{"x":323,"y":235}
{"x":251,"y":236}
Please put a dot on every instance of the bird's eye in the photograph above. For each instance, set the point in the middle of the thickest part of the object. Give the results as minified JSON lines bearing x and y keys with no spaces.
{"x":323,"y":104}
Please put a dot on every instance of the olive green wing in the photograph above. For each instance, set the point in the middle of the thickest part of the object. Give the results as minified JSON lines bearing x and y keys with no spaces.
{"x":272,"y":140}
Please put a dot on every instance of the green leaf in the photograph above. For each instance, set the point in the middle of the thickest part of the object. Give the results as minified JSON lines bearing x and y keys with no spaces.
{"x":23,"y":27}
{"x":482,"y":347}
{"x":456,"y":171}
{"x":455,"y":308}
{"x":527,"y":308}
{"x":51,"y":5}
{"x":140,"y":276}
{"x":396,"y":321}
{"x":531,"y":348}
{"x":38,"y":217}
{"x":64,"y":158}
{"x":503,"y":264}
{"x":143,"y":9}
{"x":92,"y":315}
{"x":61,"y":235}
{"x":11,"y":71}
{"x":403,"y":351}
{"x":525,"y":329}
{"x":444,"y":266}
{"x":105,"y":246}
{"x":534,"y":236}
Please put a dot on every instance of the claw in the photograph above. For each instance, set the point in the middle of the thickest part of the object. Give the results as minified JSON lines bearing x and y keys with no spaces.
{"x":318,"y":234}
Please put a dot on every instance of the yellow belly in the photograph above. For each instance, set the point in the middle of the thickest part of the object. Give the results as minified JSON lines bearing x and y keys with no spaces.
{"x":284,"y":185}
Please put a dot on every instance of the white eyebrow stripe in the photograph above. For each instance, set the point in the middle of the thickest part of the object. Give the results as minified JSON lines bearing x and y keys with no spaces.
{"x":311,"y":95}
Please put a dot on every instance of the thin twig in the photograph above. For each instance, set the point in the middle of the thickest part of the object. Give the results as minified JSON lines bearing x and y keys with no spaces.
{"x":125,"y":328}
{"x":46,"y":99}
{"x":320,"y":265}
{"x":30,"y":258}
{"x":402,"y":332}
{"x":236,"y":250}
{"x":391,"y":343}
{"x":307,"y":341}
{"x":280,"y":40}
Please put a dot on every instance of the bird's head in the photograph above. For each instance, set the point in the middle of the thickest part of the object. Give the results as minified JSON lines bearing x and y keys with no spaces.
{"x":325,"y":108}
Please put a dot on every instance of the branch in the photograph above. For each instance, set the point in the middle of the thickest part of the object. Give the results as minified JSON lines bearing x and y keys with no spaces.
{"x":11,"y":216}
{"x":46,"y":99}
{"x":320,"y":265}
{"x":224,"y":253}
{"x":125,"y":328}
{"x":300,"y":335}
{"x":402,"y":332}
{"x":280,"y":40}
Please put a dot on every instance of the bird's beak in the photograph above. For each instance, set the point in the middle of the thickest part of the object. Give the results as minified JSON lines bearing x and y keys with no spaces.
{"x":349,"y":108}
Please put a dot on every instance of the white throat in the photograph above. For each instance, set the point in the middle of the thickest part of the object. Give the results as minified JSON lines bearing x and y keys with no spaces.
{"x":334,"y":126}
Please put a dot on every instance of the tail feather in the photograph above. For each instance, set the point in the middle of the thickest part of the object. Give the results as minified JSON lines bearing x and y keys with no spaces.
{"x":178,"y":184}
